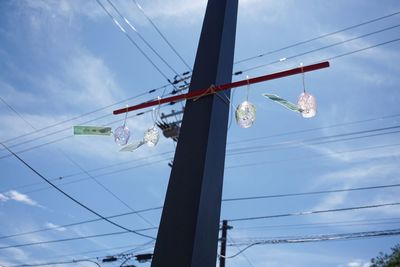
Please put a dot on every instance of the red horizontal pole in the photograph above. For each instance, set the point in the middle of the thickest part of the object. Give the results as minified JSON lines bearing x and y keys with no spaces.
{"x":217,"y":88}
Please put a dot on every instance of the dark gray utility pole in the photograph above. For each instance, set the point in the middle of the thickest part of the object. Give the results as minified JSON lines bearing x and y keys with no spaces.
{"x":188,"y":233}
{"x":225,"y":228}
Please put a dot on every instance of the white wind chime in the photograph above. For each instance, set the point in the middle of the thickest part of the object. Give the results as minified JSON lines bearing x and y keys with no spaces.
{"x":245,"y":113}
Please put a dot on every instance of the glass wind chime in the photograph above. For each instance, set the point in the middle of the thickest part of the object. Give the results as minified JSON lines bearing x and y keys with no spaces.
{"x":122,"y":133}
{"x":245,"y":113}
{"x":306,"y":105}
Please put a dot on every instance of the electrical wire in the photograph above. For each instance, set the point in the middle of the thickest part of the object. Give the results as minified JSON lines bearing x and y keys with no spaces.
{"x":162,"y":35}
{"x":143,"y":39}
{"x":362,"y":49}
{"x":133,"y":42}
{"x":56,"y":263}
{"x":103,"y":174}
{"x":72,"y":198}
{"x":348,"y":223}
{"x":62,"y":138}
{"x":85,"y":222}
{"x":156,"y":89}
{"x":223,"y":200}
{"x":246,"y":141}
{"x":322,"y":48}
{"x":319,"y":37}
{"x":83,"y":170}
{"x":314,"y":212}
{"x":73,"y":239}
{"x":315,"y":141}
{"x":98,"y":258}
{"x":64,"y":240}
{"x":82,"y":238}
{"x":84,"y":114}
{"x":242,"y":253}
{"x":391,"y":116}
{"x":311,"y":193}
{"x":74,"y":118}
{"x":331,"y":58}
{"x":317,"y":238}
{"x":326,"y":155}
{"x":109,"y":191}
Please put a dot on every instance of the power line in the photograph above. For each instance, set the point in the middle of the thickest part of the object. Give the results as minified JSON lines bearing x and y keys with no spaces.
{"x":313,"y":212}
{"x":121,"y":254}
{"x":315,"y":238}
{"x":363,"y":49}
{"x":108,"y":190}
{"x":242,"y":253}
{"x":311,"y":193}
{"x":73,"y":238}
{"x":57,"y":263}
{"x":132,"y":41}
{"x":142,"y":38}
{"x":156,"y":89}
{"x":109,"y":234}
{"x":103,"y":174}
{"x":85,"y":114}
{"x":311,"y":157}
{"x":334,"y":57}
{"x":62,"y":138}
{"x":223,"y":200}
{"x":64,"y":240}
{"x":325,"y":47}
{"x":72,"y":198}
{"x":162,"y":35}
{"x":368,"y":222}
{"x":314,"y":141}
{"x":228,"y":167}
{"x":296,"y":142}
{"x":81,"y":168}
{"x":319,"y":37}
{"x":317,"y":128}
{"x":85,"y":222}
{"x":75,"y":118}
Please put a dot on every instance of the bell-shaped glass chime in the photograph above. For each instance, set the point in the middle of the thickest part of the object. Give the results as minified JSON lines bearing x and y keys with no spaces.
{"x":122,"y":133}
{"x":151,"y":136}
{"x":245,"y":113}
{"x":307,"y":105}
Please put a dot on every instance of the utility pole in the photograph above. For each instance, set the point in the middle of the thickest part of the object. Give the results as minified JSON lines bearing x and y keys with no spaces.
{"x":225,"y":228}
{"x":188,"y":232}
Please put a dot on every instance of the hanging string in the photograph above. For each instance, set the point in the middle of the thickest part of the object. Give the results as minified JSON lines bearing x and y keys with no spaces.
{"x":303,"y":77}
{"x":248,"y":88}
{"x":126,"y":115}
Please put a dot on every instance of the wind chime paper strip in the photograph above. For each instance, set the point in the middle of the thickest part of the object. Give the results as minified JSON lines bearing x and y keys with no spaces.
{"x":91,"y":130}
{"x":132,"y":146}
{"x":283,"y":102}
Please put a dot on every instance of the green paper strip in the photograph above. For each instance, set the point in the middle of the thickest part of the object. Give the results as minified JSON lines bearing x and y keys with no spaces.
{"x":91,"y":130}
{"x":283,"y":102}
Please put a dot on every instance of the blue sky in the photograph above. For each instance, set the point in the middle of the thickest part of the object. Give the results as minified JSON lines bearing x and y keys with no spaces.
{"x":61,"y":59}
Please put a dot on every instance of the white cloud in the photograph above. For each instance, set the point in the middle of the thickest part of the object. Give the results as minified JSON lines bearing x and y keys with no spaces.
{"x":18,"y":197}
{"x":356,"y":263}
{"x":57,"y":227}
{"x":3,"y":197}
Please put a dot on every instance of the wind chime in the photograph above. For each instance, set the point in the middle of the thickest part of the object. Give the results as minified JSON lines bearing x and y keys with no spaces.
{"x":245,"y":112}
{"x":306,"y":104}
{"x":122,"y":133}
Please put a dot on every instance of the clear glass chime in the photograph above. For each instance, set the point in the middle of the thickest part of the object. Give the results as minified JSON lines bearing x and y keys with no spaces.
{"x":246,"y":112}
{"x":307,"y":103}
{"x":122,"y":133}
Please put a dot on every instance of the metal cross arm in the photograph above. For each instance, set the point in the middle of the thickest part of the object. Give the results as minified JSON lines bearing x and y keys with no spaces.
{"x":216,"y":88}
